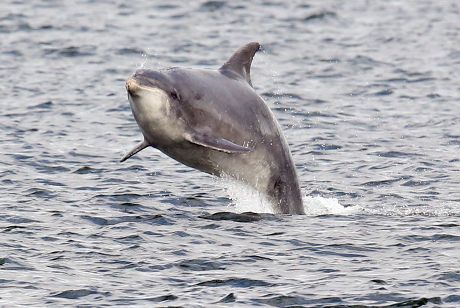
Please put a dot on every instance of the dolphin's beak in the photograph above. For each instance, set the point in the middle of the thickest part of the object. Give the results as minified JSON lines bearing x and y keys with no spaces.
{"x":132,"y":85}
{"x":136,"y":149}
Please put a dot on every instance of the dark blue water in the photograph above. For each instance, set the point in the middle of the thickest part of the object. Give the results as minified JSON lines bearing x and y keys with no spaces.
{"x":367,"y":94}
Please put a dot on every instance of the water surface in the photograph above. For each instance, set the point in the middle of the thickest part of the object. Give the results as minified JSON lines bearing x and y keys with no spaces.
{"x":367,"y":94}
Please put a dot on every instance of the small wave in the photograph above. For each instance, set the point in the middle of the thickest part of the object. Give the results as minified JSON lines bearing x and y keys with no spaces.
{"x":297,"y":301}
{"x":200,"y":265}
{"x":320,"y":15}
{"x":44,"y":105}
{"x":243,"y":217}
{"x":100,"y":221}
{"x":230,"y":298}
{"x":75,"y":294}
{"x":71,"y":51}
{"x":235,"y":282}
{"x":212,"y":6}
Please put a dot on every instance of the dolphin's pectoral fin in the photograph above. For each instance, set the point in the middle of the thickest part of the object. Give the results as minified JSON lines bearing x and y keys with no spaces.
{"x":219,"y":144}
{"x":139,"y":147}
{"x":240,"y":61}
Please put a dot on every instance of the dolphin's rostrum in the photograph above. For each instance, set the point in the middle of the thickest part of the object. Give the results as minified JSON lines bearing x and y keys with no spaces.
{"x":215,"y":122}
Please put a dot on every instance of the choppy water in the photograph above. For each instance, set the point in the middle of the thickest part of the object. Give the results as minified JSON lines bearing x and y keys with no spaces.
{"x":367,"y":93}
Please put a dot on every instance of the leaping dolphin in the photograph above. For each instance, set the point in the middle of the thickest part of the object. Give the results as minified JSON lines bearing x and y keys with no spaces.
{"x":215,"y":122}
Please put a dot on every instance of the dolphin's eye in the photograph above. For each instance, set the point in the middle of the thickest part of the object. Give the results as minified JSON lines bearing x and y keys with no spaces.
{"x":174,"y":95}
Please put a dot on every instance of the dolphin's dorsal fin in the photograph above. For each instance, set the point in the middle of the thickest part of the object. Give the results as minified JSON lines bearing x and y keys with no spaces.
{"x":241,"y":60}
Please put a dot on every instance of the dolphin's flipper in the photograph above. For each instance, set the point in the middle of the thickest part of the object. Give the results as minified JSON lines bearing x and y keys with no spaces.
{"x":219,"y":144}
{"x":241,"y":60}
{"x":142,"y":145}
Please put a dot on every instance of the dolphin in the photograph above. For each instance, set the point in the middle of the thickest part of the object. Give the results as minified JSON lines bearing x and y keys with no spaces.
{"x":214,"y":121}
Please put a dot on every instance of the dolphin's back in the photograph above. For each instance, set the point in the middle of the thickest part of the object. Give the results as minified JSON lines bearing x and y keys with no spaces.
{"x":230,"y":107}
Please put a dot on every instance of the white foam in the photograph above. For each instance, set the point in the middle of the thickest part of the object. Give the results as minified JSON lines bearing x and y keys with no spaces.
{"x":317,"y":205}
{"x":247,"y":199}
{"x":447,"y":209}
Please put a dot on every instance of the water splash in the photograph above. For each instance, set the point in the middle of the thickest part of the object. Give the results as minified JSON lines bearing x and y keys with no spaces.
{"x":247,"y":199}
{"x":317,"y":205}
{"x":141,"y":65}
{"x":244,"y":197}
{"x":150,"y":60}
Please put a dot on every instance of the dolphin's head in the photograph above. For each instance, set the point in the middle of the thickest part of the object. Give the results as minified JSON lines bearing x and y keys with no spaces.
{"x":146,"y":80}
{"x":152,"y":97}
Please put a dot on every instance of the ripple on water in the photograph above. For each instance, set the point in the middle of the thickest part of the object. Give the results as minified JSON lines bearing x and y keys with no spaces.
{"x":235,"y":283}
{"x":366,"y":96}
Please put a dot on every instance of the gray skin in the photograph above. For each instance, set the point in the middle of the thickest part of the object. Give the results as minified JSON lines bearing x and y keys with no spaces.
{"x":215,"y":122}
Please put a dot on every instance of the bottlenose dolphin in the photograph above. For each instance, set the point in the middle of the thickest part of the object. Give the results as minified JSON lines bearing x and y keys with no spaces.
{"x":215,"y":122}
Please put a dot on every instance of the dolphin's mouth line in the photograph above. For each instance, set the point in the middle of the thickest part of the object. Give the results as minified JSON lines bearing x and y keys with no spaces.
{"x":146,"y":88}
{"x":151,"y":89}
{"x":132,"y":86}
